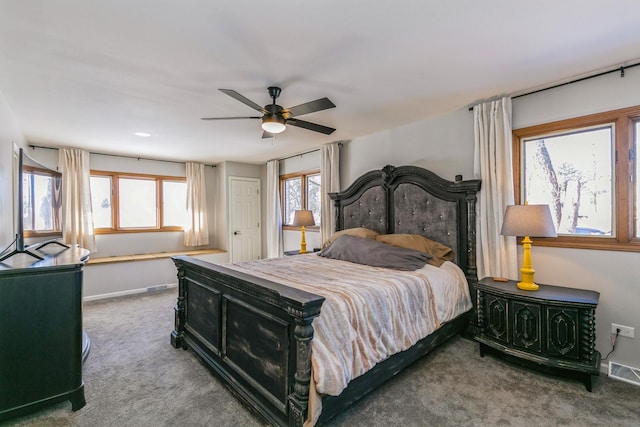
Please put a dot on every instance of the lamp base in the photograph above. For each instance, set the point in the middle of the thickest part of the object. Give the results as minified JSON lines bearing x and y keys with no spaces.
{"x":527,"y":271}
{"x":303,"y":242}
{"x":527,"y":286}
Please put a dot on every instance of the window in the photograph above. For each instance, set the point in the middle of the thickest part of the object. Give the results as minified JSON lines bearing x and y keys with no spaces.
{"x":41,"y":201}
{"x":585,"y":169}
{"x":125,"y":202}
{"x":300,"y":191}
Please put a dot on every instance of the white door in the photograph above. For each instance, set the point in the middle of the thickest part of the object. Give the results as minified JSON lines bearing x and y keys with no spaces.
{"x":244,"y":219}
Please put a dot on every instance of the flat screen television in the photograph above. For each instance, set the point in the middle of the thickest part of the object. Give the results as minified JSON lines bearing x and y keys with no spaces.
{"x":38,"y":207}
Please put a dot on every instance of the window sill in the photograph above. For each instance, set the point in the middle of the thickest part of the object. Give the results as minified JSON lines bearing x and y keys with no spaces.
{"x":150,"y":256}
{"x":137,"y":230}
{"x":597,"y":244}
{"x":311,"y":228}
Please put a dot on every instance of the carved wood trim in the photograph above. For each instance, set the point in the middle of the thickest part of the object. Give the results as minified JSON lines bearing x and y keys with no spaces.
{"x":299,"y":400}
{"x":177,"y":336}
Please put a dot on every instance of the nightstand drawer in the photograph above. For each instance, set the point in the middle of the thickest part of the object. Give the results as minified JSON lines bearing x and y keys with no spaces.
{"x":527,"y":326}
{"x":563,"y":332}
{"x":495,"y":322}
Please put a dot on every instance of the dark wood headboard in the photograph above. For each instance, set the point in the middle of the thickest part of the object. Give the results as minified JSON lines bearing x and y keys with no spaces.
{"x":413,"y":200}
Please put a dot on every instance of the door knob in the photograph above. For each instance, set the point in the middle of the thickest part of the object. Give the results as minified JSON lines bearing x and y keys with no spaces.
{"x":236,"y":233}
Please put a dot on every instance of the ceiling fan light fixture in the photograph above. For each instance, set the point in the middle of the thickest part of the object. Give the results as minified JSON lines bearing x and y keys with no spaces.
{"x":273,"y":124}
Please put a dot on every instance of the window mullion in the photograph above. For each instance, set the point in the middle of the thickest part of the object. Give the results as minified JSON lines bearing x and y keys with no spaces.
{"x":303,"y":195}
{"x":115,"y":186}
{"x":623,"y":185}
{"x":32,"y":201}
{"x":159,"y":213}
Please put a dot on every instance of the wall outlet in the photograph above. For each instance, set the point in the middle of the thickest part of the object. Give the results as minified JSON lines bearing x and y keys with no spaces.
{"x":625,"y":331}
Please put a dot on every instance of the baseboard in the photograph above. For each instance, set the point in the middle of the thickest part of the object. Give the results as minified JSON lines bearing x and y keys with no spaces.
{"x":129,"y":292}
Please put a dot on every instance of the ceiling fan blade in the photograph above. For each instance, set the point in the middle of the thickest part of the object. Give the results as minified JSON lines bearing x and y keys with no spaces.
{"x":311,"y":126}
{"x":266,"y":134}
{"x":229,"y":118}
{"x":310,"y":107}
{"x":235,"y":95}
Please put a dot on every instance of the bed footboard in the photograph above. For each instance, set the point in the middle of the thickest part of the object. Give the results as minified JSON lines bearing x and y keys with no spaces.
{"x":254,"y":334}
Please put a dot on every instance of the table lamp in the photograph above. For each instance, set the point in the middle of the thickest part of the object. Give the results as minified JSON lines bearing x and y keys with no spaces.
{"x":528,"y":221}
{"x":303,"y":218}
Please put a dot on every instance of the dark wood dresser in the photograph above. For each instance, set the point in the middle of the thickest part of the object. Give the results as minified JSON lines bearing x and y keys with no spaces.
{"x":552,"y":329}
{"x":41,"y":331}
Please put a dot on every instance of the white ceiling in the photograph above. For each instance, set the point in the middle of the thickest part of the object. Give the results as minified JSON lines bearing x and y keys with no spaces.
{"x":90,"y":73}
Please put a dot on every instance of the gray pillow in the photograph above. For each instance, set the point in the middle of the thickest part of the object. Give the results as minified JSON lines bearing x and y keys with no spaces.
{"x":373,"y":253}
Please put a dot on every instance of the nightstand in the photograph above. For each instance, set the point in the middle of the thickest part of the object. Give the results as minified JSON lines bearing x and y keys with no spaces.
{"x":552,"y":329}
{"x":289,"y":253}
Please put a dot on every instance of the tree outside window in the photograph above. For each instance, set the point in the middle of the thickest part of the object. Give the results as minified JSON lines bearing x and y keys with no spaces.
{"x":300,"y":191}
{"x":573,"y":174}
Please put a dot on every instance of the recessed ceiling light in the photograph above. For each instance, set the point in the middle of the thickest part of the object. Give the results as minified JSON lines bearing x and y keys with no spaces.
{"x":142,"y":134}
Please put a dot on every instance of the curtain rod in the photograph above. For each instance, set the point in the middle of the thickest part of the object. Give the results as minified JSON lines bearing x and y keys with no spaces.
{"x":299,"y":154}
{"x":621,"y":70}
{"x":119,"y":155}
{"x":306,"y":152}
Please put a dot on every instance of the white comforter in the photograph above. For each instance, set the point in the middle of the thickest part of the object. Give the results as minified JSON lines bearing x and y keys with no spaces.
{"x":369,"y":313}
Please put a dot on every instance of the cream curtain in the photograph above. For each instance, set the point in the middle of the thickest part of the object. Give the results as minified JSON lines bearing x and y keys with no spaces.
{"x":196,"y":230}
{"x":77,"y":214}
{"x":330,"y":182}
{"x":496,"y":254}
{"x":274,"y":214}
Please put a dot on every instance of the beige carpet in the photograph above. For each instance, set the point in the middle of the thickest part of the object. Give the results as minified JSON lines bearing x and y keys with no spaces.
{"x":133,"y":377}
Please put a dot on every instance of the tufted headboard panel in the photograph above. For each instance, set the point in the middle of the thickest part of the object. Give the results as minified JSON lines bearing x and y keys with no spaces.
{"x":369,"y":210}
{"x":416,"y":211}
{"x":413,"y":200}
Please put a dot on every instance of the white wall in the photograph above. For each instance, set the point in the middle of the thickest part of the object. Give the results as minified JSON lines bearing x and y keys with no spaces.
{"x":300,"y":163}
{"x":123,"y":278}
{"x":442,"y":144}
{"x":445,"y":145}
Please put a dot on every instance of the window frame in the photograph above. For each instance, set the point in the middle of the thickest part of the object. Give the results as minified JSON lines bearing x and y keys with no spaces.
{"x":303,"y":177}
{"x":623,"y":121}
{"x":115,"y":202}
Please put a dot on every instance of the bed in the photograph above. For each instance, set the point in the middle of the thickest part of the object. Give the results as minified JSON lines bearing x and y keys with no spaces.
{"x":268,"y":365}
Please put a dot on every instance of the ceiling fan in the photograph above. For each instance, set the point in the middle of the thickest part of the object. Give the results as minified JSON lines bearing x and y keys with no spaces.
{"x":275,"y":118}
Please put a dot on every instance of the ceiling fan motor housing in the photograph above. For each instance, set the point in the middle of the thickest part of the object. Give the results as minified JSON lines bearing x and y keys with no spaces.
{"x":274,"y":92}
{"x":274,"y":114}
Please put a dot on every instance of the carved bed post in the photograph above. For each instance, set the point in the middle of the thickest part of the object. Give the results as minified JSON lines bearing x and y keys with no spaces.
{"x":472,"y":269}
{"x":336,"y":206}
{"x":299,"y":400}
{"x":177,"y":335}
